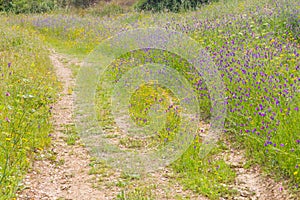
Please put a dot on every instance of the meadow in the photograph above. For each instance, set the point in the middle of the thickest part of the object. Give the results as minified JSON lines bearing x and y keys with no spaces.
{"x":255,"y":46}
{"x":28,"y":88}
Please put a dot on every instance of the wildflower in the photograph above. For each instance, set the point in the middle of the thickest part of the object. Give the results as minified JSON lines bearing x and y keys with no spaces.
{"x":262,"y":114}
{"x":7,"y":94}
{"x":7,"y":119}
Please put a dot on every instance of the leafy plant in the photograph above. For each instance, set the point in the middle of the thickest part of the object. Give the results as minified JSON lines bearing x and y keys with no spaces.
{"x":170,"y":5}
{"x":26,"y":6}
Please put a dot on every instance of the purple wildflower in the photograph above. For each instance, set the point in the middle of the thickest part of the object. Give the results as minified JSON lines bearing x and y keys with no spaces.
{"x":7,"y":119}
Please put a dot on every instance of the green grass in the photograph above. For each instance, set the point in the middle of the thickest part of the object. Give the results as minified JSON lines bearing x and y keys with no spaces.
{"x":137,"y":194}
{"x":71,"y":135}
{"x":255,"y":45}
{"x":28,"y":87}
{"x":210,"y":176}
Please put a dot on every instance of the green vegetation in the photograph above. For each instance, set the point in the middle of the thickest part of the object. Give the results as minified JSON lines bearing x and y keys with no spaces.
{"x":27,"y":88}
{"x":71,"y":134}
{"x":41,"y":6}
{"x":137,"y":194}
{"x":27,"y":6}
{"x":254,"y":44}
{"x":169,"y":5}
{"x":210,"y":176}
{"x":98,"y":7}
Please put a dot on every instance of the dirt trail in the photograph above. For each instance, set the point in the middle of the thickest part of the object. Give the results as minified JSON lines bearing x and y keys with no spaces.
{"x":250,"y":183}
{"x":65,"y":176}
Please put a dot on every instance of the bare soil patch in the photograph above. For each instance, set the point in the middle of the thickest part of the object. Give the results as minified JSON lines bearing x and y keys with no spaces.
{"x":251,"y":183}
